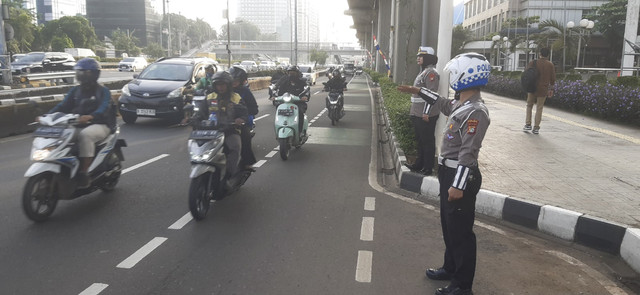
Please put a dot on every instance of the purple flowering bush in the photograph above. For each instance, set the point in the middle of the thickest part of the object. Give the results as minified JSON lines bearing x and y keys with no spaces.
{"x":606,"y":101}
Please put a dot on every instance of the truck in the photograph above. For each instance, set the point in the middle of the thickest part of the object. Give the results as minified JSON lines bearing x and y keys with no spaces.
{"x":80,"y":52}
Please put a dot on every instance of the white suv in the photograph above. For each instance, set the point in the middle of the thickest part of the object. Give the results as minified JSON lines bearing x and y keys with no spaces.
{"x":250,"y":65}
{"x":132,"y":64}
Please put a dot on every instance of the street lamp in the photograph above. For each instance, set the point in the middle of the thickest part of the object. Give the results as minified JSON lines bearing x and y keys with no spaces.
{"x":585,"y":24}
{"x":499,"y":40}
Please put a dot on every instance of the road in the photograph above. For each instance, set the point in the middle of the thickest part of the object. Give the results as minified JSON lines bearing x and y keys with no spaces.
{"x":318,"y":223}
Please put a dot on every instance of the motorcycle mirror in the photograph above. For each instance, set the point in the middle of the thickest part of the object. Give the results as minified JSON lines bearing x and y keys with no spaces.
{"x":135,"y":76}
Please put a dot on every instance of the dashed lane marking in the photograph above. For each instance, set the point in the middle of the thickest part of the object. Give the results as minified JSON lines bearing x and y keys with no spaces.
{"x":271,"y":154}
{"x":259,"y":163}
{"x":147,"y":162}
{"x":370,"y":204}
{"x":261,"y":117}
{"x":366,"y":230}
{"x":136,"y":257}
{"x":363,"y":268}
{"x":182,"y":221}
{"x":94,"y":289}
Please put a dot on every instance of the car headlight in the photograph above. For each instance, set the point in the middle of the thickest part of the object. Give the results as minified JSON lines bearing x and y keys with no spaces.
{"x":125,"y":90}
{"x":175,"y":94}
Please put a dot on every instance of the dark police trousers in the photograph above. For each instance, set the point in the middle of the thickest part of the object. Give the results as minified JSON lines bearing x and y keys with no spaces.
{"x":426,"y":142}
{"x":457,"y":227}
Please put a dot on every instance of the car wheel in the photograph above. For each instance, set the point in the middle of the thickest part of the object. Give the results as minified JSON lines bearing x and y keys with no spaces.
{"x":129,"y":118}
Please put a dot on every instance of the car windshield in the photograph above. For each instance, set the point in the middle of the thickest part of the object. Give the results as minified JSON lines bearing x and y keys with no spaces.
{"x":169,"y":72}
{"x":128,"y":59}
{"x":305,"y":69}
{"x":32,"y":57}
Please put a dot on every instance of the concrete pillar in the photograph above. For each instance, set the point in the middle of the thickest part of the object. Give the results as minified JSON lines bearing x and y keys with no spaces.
{"x":384,"y":27}
{"x":445,"y":28}
{"x":408,"y":34}
{"x":630,"y":33}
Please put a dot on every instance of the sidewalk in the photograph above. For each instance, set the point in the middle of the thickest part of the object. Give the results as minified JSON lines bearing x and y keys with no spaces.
{"x":579,"y":179}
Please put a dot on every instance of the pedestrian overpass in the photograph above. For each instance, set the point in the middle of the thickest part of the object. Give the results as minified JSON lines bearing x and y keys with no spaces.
{"x":281,"y":48}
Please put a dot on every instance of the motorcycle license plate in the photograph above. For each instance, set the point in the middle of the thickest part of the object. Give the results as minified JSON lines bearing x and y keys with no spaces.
{"x":203,"y":134}
{"x":146,"y":112}
{"x":285,"y":112}
{"x":49,"y":131}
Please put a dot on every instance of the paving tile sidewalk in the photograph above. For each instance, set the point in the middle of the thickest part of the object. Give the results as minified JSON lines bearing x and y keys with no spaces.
{"x":576,"y":162}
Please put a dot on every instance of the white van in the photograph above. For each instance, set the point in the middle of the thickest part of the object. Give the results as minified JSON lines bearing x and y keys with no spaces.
{"x":250,"y":65}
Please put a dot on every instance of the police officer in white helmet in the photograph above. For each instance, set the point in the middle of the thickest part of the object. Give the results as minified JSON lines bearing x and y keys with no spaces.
{"x":458,"y":172}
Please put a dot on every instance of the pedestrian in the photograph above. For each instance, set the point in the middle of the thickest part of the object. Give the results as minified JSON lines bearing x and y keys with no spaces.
{"x":424,"y":116}
{"x":544,"y":89}
{"x":458,"y":172}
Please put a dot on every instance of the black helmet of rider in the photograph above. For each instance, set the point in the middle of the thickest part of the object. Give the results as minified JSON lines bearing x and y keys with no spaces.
{"x":87,"y":71}
{"x":222,"y":78}
{"x":296,"y":71}
{"x":238,"y":73}
{"x":336,"y":73}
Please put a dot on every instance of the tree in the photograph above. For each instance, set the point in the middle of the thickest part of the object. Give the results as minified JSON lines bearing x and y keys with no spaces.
{"x":125,"y":42}
{"x":59,"y":43}
{"x":154,"y":50}
{"x":22,"y":21}
{"x":318,"y":56}
{"x":460,"y":37}
{"x":77,"y":28}
{"x":241,"y":30}
{"x":610,"y":19}
{"x":200,"y":32}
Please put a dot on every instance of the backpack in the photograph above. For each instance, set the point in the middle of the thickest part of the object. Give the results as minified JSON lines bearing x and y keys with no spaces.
{"x":529,"y":78}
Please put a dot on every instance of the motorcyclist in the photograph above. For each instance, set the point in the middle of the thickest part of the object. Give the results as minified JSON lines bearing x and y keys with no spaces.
{"x":93,"y":103}
{"x":203,"y":85}
{"x":336,"y":83}
{"x":230,"y":112}
{"x":294,"y":84}
{"x":239,"y":75}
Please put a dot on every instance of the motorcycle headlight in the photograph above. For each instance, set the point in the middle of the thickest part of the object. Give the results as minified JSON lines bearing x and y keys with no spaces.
{"x":125,"y":90}
{"x":175,"y":94}
{"x":39,"y":155}
{"x":287,"y":98}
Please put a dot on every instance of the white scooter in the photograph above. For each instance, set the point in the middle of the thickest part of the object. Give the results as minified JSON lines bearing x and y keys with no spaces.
{"x":53,"y":176}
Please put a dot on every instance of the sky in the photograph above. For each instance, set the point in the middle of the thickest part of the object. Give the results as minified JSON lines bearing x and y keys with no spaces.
{"x":334,"y":24}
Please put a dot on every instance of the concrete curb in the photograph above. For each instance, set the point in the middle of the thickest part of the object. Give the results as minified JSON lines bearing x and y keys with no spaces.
{"x":593,"y":232}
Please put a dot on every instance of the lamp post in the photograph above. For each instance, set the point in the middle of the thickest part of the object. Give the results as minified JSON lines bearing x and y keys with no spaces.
{"x":585,"y":24}
{"x":504,"y":43}
{"x":495,"y":39}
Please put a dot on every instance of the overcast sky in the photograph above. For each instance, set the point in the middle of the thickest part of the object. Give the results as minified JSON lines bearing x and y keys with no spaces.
{"x":334,"y":24}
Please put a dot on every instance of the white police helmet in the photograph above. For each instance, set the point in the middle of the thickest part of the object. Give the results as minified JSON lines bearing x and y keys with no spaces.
{"x":468,"y":70}
{"x":423,"y":50}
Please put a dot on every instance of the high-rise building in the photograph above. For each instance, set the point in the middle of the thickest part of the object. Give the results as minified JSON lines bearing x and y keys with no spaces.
{"x":48,"y":10}
{"x":487,"y":16}
{"x":137,"y":17}
{"x":276,"y":16}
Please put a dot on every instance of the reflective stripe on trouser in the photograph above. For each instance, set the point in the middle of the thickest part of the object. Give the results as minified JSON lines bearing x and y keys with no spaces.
{"x":89,"y":136}
{"x":457,"y":219}
{"x":539,"y":101}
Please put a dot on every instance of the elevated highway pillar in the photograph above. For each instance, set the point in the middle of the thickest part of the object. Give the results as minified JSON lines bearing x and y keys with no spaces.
{"x":384,"y":29}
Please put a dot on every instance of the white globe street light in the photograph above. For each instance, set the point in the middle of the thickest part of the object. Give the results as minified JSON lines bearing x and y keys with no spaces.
{"x":495,"y":39}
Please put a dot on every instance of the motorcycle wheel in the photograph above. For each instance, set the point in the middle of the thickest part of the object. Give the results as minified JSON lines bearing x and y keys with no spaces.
{"x":284,"y":148}
{"x":38,"y":198}
{"x":332,"y":116}
{"x":111,"y":180}
{"x":199,"y":198}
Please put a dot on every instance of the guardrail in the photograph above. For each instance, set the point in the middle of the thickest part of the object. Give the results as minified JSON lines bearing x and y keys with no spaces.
{"x":66,"y":77}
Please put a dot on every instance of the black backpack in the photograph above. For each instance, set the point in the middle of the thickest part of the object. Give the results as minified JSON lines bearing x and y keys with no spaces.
{"x":529,"y":78}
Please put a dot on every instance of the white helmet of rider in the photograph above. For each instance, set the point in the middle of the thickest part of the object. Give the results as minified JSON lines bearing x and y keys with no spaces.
{"x":468,"y":70}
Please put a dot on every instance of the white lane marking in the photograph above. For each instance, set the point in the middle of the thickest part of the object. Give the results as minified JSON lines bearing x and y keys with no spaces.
{"x":94,"y":289}
{"x":312,"y":121}
{"x":370,"y":204}
{"x":363,"y":268}
{"x":259,"y":163}
{"x":366,"y":231}
{"x":16,"y":138}
{"x":182,"y":221}
{"x":147,"y":162}
{"x":317,"y":92}
{"x":261,"y":117}
{"x":271,"y":154}
{"x":606,"y":283}
{"x":136,"y":257}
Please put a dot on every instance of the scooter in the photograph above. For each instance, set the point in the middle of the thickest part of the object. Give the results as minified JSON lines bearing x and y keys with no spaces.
{"x":286,"y":123}
{"x":208,"y":164}
{"x":335,"y":103}
{"x":54,"y":174}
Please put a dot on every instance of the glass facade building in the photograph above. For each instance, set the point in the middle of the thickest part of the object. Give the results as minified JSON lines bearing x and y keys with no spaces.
{"x":137,"y":17}
{"x":48,"y":10}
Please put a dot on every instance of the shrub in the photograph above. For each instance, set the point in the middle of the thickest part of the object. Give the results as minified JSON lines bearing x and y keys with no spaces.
{"x":397,"y":105}
{"x":627,"y":81}
{"x":599,"y":79}
{"x":573,"y":77}
{"x":561,"y":76}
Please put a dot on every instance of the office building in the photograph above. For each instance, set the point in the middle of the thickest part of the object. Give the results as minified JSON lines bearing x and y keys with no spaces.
{"x":276,"y":16}
{"x":48,"y":10}
{"x":137,"y":17}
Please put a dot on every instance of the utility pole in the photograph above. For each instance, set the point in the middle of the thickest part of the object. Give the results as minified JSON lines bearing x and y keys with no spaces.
{"x":169,"y":35}
{"x":228,"y":35}
{"x":5,"y":57}
{"x":295,"y":57}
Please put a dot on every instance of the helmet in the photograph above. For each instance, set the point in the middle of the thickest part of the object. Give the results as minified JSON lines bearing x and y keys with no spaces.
{"x":336,"y":72}
{"x":425,"y":50}
{"x":293,"y":68}
{"x":211,"y":67}
{"x":238,"y":73}
{"x":468,"y":70}
{"x":222,"y":77}
{"x":87,"y":70}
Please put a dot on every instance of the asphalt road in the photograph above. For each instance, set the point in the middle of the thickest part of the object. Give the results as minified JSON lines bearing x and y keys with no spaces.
{"x":318,"y":223}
